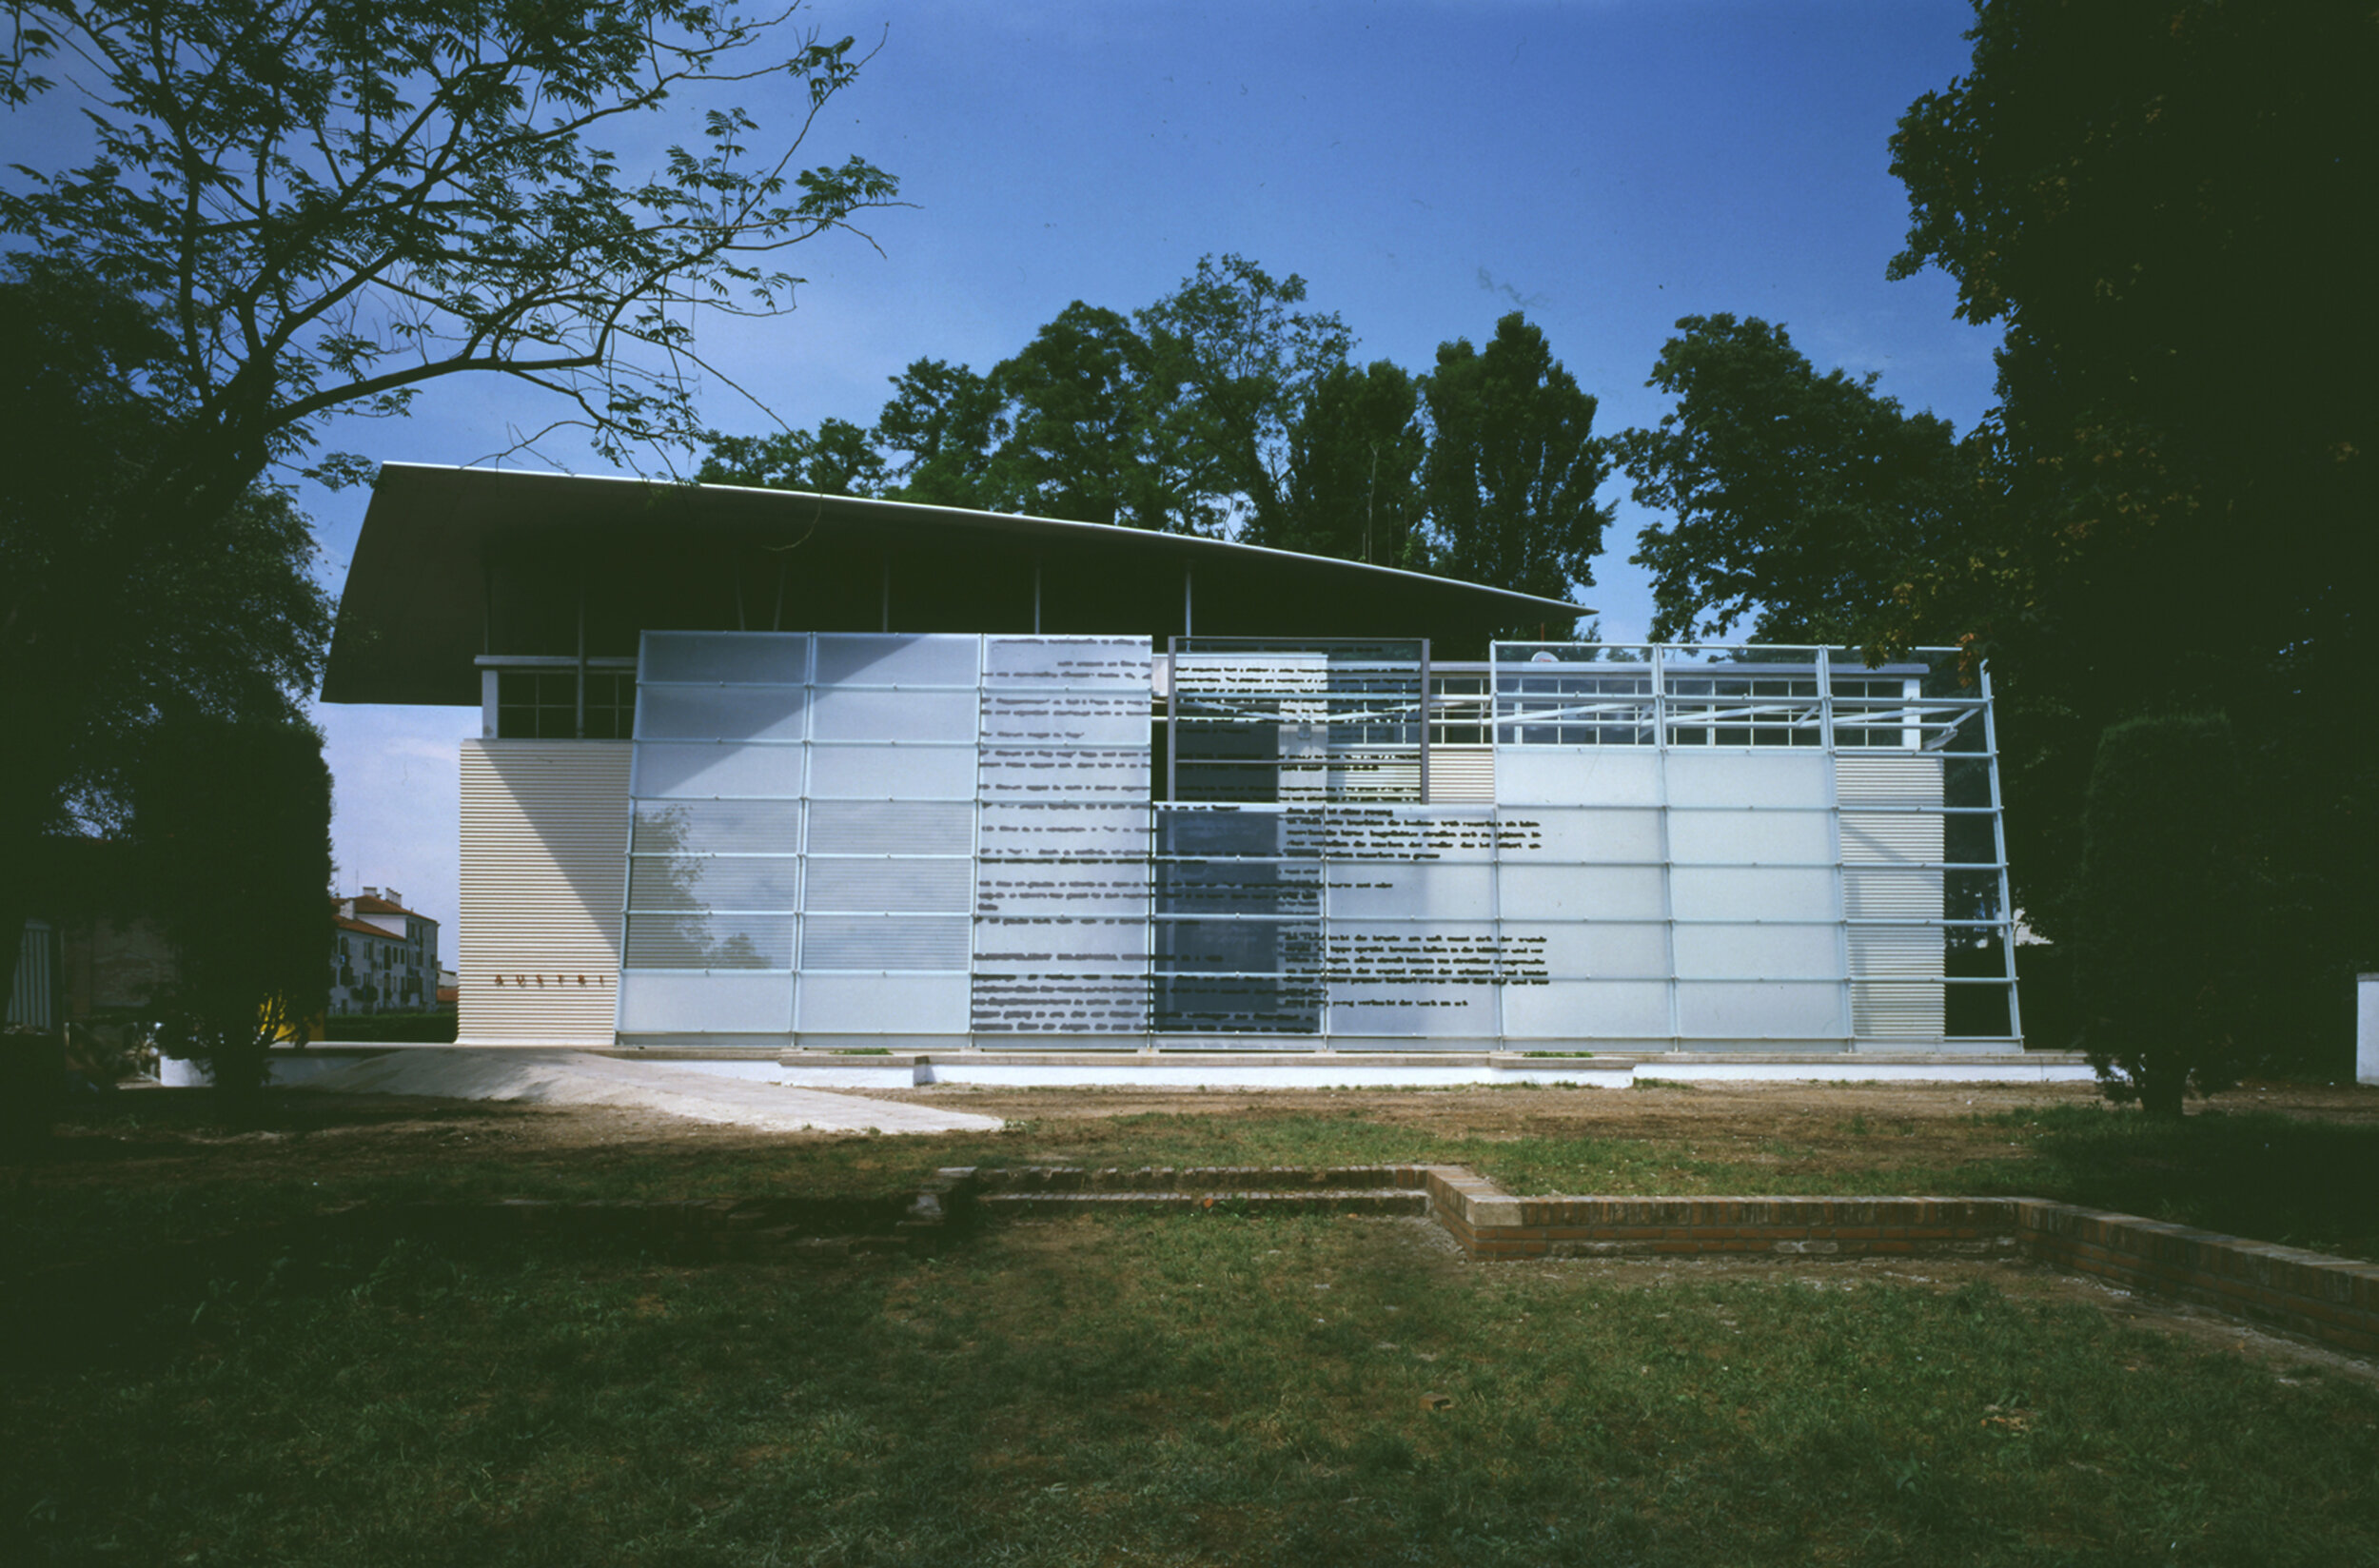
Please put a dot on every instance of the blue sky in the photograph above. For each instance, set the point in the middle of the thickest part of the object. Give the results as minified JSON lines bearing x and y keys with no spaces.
{"x":1611,"y":165}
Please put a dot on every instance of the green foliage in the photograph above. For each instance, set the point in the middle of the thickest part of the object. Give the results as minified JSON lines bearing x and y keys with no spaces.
{"x":117,"y":617}
{"x":1087,"y":437}
{"x":1513,"y":465}
{"x":837,"y":460}
{"x":1810,"y":499}
{"x":333,"y":205}
{"x":1354,"y":469}
{"x":1245,"y":367}
{"x":943,"y":423}
{"x":2165,"y":913}
{"x":2164,"y":205}
{"x":232,"y":833}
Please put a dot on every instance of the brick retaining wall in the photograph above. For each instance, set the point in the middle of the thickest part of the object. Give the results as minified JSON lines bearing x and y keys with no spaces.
{"x":2334,"y":1301}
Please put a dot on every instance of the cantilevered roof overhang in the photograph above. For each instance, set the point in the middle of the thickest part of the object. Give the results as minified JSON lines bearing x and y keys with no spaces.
{"x":455,"y":563}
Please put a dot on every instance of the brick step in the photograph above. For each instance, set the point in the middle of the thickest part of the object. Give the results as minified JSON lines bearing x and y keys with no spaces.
{"x":1234,"y":1179}
{"x":1347,"y":1201}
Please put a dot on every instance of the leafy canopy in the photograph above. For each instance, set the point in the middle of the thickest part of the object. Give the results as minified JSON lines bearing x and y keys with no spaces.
{"x":331,"y":205}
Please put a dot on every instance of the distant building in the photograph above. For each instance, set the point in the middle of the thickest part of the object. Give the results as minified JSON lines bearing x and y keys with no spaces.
{"x":383,"y":957}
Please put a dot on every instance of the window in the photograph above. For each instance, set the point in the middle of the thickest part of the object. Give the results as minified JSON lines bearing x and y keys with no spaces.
{"x":544,"y":705}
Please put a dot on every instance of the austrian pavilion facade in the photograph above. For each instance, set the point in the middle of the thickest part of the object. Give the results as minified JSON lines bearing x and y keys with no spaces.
{"x":772,"y":772}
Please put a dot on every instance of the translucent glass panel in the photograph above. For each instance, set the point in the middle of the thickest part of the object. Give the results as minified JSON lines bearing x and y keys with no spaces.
{"x":709,"y":941}
{"x":897,"y":659}
{"x":1412,"y":892}
{"x":1065,"y":719}
{"x":1531,"y":775}
{"x":1749,"y":780}
{"x":715,"y":712}
{"x":894,"y":715}
{"x":1587,"y":1010}
{"x":652,"y":1003}
{"x":1582,"y":892}
{"x":1777,"y":838}
{"x":1022,"y":889}
{"x":883,"y":1004}
{"x":1593,"y":950}
{"x":1582,"y":836}
{"x":1027,"y":773}
{"x":704,"y":769}
{"x":708,"y":827}
{"x":1062,"y":871}
{"x":891,"y":827}
{"x":1768,"y":953}
{"x":889,"y":885}
{"x":892,"y":773}
{"x":713,"y":882}
{"x":1751,"y":892}
{"x":740,"y":657}
{"x":882,"y":942}
{"x":1742,"y":1010}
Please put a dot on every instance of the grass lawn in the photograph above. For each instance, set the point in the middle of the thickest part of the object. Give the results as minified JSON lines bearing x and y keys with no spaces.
{"x":1198,"y":1390}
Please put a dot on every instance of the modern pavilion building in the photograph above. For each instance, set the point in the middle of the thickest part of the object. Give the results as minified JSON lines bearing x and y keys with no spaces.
{"x":769,"y":770}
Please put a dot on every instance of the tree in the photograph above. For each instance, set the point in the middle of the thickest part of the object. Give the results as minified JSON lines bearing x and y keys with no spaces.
{"x":2164,"y":906}
{"x":1086,"y":436}
{"x":840,"y":460}
{"x":231,"y":830}
{"x":118,"y":619}
{"x":944,"y":421}
{"x":1513,"y":465}
{"x":320,"y":209}
{"x":1355,"y":451}
{"x":2162,"y":202}
{"x":1242,"y":364}
{"x":1808,"y":499}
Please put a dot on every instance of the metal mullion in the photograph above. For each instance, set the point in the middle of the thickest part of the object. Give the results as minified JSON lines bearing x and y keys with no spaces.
{"x":1998,"y":845}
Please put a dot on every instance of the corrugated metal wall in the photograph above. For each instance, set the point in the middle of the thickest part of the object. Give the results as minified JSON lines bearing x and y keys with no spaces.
{"x":544,"y":855}
{"x":1462,"y":774}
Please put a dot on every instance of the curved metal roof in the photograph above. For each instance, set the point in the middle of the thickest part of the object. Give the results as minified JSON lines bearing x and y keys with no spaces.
{"x":455,"y":562}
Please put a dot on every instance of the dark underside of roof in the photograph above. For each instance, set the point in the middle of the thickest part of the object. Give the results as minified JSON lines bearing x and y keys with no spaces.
{"x":454,"y":563}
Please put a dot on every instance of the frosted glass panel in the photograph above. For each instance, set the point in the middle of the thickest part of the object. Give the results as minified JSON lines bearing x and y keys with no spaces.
{"x":1413,"y":953}
{"x":664,"y":769}
{"x":1024,"y":887}
{"x":1065,"y":719}
{"x":1587,"y":1010}
{"x":757,"y":827}
{"x":1581,"y":893}
{"x":1594,"y":951}
{"x":1747,"y":779}
{"x":896,"y":660}
{"x":718,"y":712}
{"x":1120,"y":662}
{"x":1579,"y":776}
{"x":1064,"y":939}
{"x":893,"y":772}
{"x":1066,"y":830}
{"x":884,"y":1004}
{"x":1051,"y":773}
{"x":891,"y":827}
{"x":1716,"y":892}
{"x":897,"y":886}
{"x":893,"y":716}
{"x":1780,"y":837}
{"x":882,"y":942}
{"x":1556,"y":834}
{"x":1238,"y":887}
{"x":1760,"y":951}
{"x":705,"y":1003}
{"x":1441,"y":893}
{"x":713,"y":882}
{"x":767,"y":658}
{"x":1422,"y":1011}
{"x":1759,"y":1011}
{"x":709,"y":941}
{"x":1389,"y":833}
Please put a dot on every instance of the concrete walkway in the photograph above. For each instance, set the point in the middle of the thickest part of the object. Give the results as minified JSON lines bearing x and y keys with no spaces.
{"x":577,"y":1078}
